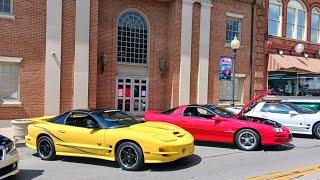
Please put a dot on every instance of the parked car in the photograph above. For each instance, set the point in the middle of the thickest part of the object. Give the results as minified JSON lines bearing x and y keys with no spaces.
{"x":8,"y":158}
{"x":108,"y":134}
{"x":313,"y":104}
{"x":212,"y":123}
{"x":298,"y":119}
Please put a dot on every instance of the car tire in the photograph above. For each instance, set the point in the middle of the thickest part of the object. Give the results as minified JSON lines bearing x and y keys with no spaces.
{"x":45,"y":148}
{"x":316,"y":131}
{"x":130,"y":156}
{"x":247,"y":140}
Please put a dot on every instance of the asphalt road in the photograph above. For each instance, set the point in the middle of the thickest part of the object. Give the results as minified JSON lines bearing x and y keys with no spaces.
{"x":210,"y":161}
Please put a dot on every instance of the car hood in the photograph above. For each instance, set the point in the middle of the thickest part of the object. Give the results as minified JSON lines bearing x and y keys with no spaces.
{"x":246,"y":107}
{"x":162,"y":131}
{"x":4,"y":140}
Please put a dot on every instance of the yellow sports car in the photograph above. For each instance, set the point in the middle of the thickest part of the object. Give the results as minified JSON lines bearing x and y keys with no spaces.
{"x":108,"y":134}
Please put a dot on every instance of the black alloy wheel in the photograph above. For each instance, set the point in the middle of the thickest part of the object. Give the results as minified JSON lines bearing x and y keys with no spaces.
{"x":130,"y":156}
{"x":45,"y":148}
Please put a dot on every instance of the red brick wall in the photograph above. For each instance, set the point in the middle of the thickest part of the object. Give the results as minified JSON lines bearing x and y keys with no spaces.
{"x":67,"y":54}
{"x":270,"y":44}
{"x":195,"y":53}
{"x":93,"y":53}
{"x":174,"y":53}
{"x":218,"y":47}
{"x":157,"y":14}
{"x":25,"y":37}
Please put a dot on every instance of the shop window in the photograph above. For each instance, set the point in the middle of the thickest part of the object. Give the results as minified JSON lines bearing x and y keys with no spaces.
{"x":226,"y":90}
{"x":6,"y":7}
{"x":294,"y":84}
{"x":296,"y":20}
{"x":315,"y":25}
{"x":233,"y":28}
{"x":132,"y":38}
{"x":9,"y":81}
{"x":275,"y":18}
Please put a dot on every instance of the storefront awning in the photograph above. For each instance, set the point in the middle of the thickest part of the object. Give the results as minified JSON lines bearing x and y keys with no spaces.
{"x":293,"y":64}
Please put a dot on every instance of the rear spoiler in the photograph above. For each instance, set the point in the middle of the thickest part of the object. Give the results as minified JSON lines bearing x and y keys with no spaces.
{"x":42,"y":119}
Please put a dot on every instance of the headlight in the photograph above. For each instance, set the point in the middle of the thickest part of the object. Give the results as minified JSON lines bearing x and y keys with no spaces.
{"x":9,"y":147}
{"x":277,"y":130}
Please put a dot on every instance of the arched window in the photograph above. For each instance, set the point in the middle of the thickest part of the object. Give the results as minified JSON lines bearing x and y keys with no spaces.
{"x":296,"y":20}
{"x":132,"y":38}
{"x":275,"y":18}
{"x":315,"y":25}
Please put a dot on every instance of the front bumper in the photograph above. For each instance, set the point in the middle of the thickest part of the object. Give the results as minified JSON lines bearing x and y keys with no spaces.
{"x":169,"y":153}
{"x":9,"y":164}
{"x":277,"y":139}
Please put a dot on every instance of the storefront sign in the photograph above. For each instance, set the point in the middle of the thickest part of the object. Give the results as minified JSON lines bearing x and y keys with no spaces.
{"x":225,"y":68}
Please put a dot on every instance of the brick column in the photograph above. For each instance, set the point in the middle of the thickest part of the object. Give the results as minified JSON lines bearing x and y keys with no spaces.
{"x":185,"y":61}
{"x":203,"y":74}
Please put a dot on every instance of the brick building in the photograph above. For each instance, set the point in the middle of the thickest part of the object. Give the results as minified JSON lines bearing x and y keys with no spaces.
{"x":134,"y":55}
{"x":289,"y":57}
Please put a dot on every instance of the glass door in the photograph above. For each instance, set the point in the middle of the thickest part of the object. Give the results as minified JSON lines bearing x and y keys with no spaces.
{"x":132,"y":95}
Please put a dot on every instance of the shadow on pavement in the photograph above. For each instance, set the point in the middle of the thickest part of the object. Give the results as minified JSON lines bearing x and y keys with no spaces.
{"x":303,"y":136}
{"x":215,"y":144}
{"x":26,"y":174}
{"x":92,"y":161}
{"x":180,"y":164}
{"x":284,"y":147}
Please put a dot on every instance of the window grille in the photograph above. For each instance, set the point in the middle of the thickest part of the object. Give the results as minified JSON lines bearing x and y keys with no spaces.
{"x":132,"y":38}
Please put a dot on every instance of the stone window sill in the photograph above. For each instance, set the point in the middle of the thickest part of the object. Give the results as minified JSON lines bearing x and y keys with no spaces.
{"x":11,"y":104}
{"x":7,"y":17}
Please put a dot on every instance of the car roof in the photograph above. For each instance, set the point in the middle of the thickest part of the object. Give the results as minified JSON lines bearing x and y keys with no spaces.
{"x":92,"y":110}
{"x":202,"y":105}
{"x":303,"y":100}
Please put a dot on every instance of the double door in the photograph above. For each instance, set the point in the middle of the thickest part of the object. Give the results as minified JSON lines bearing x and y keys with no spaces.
{"x":132,"y":95}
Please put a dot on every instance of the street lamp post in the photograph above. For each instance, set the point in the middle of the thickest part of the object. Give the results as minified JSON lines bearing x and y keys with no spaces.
{"x":235,"y":45}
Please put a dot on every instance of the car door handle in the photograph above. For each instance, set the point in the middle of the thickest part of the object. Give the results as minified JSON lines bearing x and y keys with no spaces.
{"x":62,"y":131}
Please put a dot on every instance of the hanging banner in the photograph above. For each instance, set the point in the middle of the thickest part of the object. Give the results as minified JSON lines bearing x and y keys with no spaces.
{"x":225,"y":68}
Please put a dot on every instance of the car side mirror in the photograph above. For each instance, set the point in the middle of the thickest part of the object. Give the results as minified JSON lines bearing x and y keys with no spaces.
{"x":293,"y":113}
{"x":217,"y":119}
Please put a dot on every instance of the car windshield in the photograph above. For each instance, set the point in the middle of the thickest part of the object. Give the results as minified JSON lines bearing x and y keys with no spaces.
{"x":115,"y":119}
{"x":299,"y":109}
{"x":221,"y":111}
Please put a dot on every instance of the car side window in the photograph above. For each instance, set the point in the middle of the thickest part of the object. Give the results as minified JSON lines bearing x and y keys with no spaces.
{"x":198,"y":112}
{"x":276,"y":108}
{"x":80,"y":120}
{"x":60,"y":119}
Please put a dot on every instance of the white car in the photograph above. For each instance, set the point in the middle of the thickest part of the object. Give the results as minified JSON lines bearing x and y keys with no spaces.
{"x":298,"y":119}
{"x":8,"y":158}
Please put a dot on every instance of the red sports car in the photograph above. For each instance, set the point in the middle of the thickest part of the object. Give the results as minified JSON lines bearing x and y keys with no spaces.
{"x":212,"y":123}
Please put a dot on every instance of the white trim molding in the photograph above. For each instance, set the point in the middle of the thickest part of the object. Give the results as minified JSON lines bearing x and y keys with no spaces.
{"x":10,"y":59}
{"x":204,"y":44}
{"x":81,"y":61}
{"x":53,"y":57}
{"x":10,"y":104}
{"x":234,"y":15}
{"x":185,"y":61}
